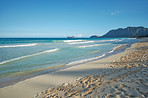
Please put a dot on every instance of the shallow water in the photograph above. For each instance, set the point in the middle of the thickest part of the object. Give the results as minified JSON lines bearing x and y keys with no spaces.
{"x":23,"y":57}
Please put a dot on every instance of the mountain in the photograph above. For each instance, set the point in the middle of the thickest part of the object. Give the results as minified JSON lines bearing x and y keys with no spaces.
{"x":127,"y":32}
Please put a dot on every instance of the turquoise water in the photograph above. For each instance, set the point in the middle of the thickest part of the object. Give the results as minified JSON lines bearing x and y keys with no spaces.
{"x":23,"y":57}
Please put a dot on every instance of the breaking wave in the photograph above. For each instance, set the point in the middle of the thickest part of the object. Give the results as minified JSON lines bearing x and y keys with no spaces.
{"x":85,"y":60}
{"x":81,"y":42}
{"x":118,"y":48}
{"x":47,"y":51}
{"x":110,"y":40}
{"x":91,"y":45}
{"x":23,"y":45}
{"x":69,"y":41}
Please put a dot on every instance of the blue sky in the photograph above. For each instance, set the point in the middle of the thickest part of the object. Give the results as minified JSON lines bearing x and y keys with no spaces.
{"x":62,"y":18}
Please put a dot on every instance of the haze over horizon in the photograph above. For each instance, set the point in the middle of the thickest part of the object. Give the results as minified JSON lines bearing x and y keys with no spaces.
{"x":62,"y":18}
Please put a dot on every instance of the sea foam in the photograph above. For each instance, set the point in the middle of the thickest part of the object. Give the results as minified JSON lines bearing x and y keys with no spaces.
{"x":118,"y":48}
{"x":69,"y":41}
{"x":91,"y":45}
{"x":81,"y":42}
{"x":23,"y":45}
{"x":116,"y":40}
{"x":47,"y":51}
{"x":85,"y":60}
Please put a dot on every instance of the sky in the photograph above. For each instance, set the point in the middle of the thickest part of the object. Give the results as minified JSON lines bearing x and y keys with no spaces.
{"x":62,"y":18}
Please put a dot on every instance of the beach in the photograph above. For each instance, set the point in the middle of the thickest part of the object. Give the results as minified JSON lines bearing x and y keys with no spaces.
{"x":24,"y":58}
{"x":124,"y":77}
{"x":118,"y":75}
{"x":73,"y":49}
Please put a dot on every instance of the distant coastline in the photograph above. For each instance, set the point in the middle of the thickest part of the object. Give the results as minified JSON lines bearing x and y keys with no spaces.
{"x":71,"y":37}
{"x":129,"y":32}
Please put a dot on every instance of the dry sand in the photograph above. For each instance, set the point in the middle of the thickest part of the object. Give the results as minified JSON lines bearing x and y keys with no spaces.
{"x":30,"y":87}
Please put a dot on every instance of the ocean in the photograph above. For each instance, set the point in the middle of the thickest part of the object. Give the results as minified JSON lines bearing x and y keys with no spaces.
{"x":23,"y":58}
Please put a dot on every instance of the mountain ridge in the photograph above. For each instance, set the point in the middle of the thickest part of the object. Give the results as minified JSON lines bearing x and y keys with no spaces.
{"x":127,"y":32}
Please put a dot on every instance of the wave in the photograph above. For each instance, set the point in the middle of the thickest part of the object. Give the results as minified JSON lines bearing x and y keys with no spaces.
{"x":23,"y":45}
{"x":47,"y":51}
{"x":118,"y":48}
{"x":109,"y":40}
{"x":91,"y":45}
{"x":65,"y":41}
{"x":82,"y":42}
{"x":95,"y":58}
{"x":69,"y":41}
{"x":85,"y":60}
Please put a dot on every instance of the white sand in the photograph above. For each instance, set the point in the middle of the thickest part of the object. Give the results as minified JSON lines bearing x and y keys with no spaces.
{"x":29,"y":87}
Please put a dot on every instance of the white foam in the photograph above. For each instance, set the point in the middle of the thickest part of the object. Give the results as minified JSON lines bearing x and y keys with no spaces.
{"x":69,"y":41}
{"x":111,"y":51}
{"x":85,"y":41}
{"x":82,"y":42}
{"x":85,"y":60}
{"x":91,"y":45}
{"x":109,"y":40}
{"x":50,"y":50}
{"x":47,"y":51}
{"x":23,"y":45}
{"x":116,"y":48}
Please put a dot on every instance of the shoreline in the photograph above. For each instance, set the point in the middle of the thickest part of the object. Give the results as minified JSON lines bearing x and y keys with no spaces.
{"x":127,"y":77}
{"x":29,"y":87}
{"x":12,"y":81}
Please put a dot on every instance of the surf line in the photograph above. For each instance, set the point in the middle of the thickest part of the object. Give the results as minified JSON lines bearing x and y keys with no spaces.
{"x":23,"y":45}
{"x":47,"y":51}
